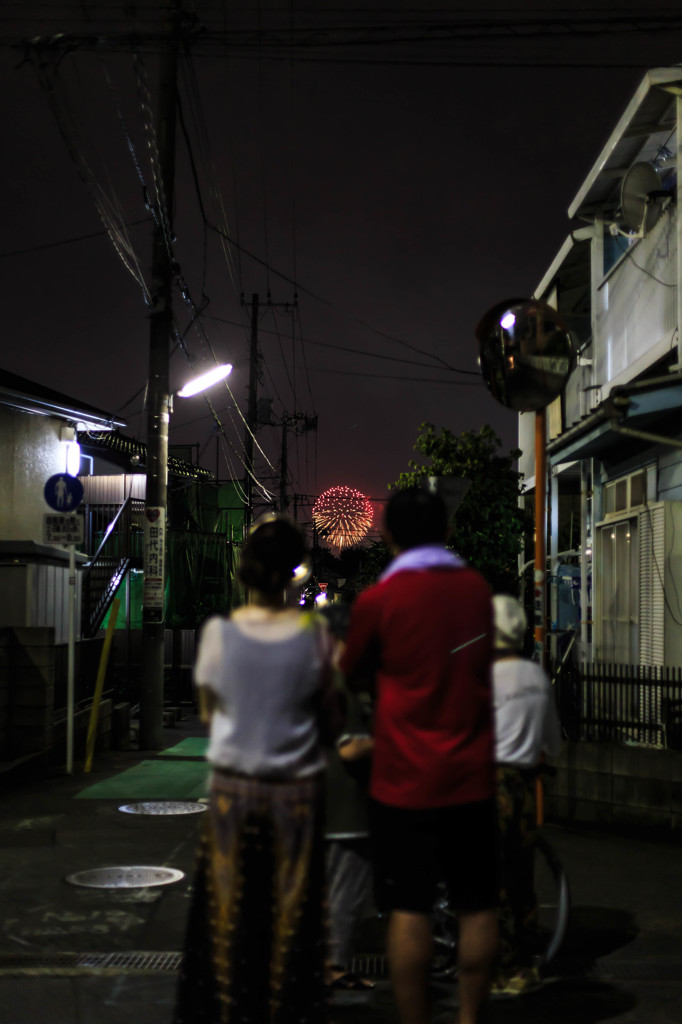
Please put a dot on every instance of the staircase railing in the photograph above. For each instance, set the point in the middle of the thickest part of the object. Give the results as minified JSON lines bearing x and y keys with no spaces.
{"x":120,"y":543}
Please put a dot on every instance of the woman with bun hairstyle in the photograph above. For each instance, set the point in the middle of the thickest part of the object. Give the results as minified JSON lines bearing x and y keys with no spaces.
{"x":255,"y":944}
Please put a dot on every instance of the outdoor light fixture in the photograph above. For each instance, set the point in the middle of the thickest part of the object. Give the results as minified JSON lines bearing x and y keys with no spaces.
{"x":206,"y":380}
{"x":72,"y":450}
{"x":73,"y":458}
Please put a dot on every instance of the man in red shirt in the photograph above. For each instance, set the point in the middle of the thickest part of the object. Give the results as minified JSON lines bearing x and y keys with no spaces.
{"x":423,"y":633}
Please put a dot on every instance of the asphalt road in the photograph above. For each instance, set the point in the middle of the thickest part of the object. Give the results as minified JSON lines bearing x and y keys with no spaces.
{"x":76,"y":955}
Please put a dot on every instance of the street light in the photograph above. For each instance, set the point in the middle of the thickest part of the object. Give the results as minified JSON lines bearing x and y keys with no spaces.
{"x":154,"y":558}
{"x":205,"y":380}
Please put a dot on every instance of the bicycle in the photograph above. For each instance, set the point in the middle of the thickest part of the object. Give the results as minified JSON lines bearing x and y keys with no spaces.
{"x":553,"y":899}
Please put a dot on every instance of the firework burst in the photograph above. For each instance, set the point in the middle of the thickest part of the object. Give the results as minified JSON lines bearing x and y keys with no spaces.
{"x":345,"y":514}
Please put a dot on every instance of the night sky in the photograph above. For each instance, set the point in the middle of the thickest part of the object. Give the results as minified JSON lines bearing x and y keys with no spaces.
{"x":397,"y":188}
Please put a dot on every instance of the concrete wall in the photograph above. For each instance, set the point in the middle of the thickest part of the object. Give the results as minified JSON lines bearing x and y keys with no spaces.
{"x":610,"y":783}
{"x":30,"y":453}
{"x":28,"y":723}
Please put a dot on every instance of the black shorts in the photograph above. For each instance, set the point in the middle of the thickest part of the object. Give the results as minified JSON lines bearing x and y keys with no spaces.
{"x":415,"y":850}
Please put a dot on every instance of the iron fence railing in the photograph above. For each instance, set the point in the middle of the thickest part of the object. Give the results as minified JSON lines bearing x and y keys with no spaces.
{"x":632,"y":704}
{"x":179,"y":653}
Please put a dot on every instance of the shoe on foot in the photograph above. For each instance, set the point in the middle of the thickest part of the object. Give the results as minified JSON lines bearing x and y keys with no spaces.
{"x":525,"y":980}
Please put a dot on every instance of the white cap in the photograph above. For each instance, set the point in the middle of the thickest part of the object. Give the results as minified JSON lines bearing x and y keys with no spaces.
{"x":510,"y":622}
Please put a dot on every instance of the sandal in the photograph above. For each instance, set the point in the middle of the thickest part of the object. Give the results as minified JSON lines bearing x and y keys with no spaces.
{"x":350,"y":982}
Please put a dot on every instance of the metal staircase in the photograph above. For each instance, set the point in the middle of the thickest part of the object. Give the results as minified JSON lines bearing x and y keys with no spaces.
{"x":119,"y":549}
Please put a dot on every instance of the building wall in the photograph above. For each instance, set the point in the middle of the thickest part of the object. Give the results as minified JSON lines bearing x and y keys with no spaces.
{"x":636,"y":306}
{"x":113,"y":489}
{"x":30,"y":453}
{"x":605,"y":782}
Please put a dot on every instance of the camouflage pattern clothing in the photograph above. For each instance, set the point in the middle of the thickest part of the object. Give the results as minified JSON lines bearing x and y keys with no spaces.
{"x":517,"y":834}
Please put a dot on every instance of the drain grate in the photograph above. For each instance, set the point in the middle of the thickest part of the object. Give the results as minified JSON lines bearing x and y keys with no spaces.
{"x":163,"y":807}
{"x":369,"y":966}
{"x":134,"y":877}
{"x":78,"y":963}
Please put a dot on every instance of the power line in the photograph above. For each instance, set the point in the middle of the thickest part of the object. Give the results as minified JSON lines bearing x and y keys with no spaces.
{"x":70,"y":241}
{"x":388,"y":376}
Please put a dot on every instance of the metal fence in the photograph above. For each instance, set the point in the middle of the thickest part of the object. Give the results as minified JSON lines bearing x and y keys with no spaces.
{"x":630,"y":704}
{"x":126,"y":665}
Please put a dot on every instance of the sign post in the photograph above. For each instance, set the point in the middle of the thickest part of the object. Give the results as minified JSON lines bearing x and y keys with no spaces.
{"x":64,"y":493}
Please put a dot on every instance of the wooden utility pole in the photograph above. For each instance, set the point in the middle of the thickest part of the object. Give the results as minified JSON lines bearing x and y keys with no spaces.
{"x":158,"y":404}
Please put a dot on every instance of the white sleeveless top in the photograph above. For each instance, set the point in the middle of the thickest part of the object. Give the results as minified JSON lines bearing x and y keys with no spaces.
{"x":268,"y":679}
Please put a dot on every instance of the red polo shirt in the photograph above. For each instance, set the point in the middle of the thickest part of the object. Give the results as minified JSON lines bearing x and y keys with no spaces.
{"x":426,"y":637}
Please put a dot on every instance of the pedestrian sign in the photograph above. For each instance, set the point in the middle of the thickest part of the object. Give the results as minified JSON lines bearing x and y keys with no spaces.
{"x":63,"y":493}
{"x":63,"y":529}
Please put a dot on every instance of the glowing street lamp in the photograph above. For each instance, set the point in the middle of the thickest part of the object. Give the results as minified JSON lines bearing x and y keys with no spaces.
{"x":205,"y":381}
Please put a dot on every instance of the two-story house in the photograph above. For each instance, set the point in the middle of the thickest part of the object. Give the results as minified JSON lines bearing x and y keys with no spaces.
{"x":614,"y":438}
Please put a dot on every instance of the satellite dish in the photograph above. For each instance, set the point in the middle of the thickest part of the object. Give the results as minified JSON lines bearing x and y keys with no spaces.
{"x":641,"y":198}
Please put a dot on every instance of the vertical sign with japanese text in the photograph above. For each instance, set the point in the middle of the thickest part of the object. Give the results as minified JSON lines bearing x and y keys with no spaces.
{"x":154,"y":564}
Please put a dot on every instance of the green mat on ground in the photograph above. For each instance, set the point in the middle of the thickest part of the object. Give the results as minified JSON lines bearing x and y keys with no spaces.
{"x":153,"y":780}
{"x":193,"y":746}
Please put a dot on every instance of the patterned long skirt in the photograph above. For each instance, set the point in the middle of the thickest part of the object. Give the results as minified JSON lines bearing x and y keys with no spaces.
{"x":255,"y":943}
{"x":517,"y":834}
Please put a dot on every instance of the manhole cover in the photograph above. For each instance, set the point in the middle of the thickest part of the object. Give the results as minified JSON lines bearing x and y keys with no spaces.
{"x":138,"y":877}
{"x":163,"y":807}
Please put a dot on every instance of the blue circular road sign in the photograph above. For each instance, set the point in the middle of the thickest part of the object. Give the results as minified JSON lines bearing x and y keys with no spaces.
{"x":63,"y":493}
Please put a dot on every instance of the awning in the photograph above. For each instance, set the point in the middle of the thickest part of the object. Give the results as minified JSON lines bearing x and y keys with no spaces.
{"x":120,"y":450}
{"x":645,"y":412}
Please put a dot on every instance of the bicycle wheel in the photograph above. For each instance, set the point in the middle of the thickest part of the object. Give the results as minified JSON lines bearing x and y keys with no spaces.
{"x":554,"y":901}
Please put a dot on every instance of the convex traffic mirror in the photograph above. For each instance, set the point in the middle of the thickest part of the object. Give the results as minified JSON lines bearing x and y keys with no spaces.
{"x":526,"y":353}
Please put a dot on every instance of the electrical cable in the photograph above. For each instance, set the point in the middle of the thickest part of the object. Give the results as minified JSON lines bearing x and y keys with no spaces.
{"x":346,"y":348}
{"x":386,"y":376}
{"x":327,"y":302}
{"x":303,"y":353}
{"x":69,"y":241}
{"x":106,"y":205}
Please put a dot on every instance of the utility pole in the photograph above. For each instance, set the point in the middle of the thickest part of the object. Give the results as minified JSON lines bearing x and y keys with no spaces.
{"x":251,"y":414}
{"x":301,"y":423}
{"x":252,"y":418}
{"x":158,"y":404}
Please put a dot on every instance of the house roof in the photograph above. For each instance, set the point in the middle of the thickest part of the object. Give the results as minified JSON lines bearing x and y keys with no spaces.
{"x":37,"y":399}
{"x":119,"y":449}
{"x":643,"y":133}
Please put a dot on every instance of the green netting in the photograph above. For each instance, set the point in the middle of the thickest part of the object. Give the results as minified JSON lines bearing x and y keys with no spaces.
{"x":206,"y":523}
{"x":172,"y":779}
{"x":136,"y":581}
{"x":192,"y":746}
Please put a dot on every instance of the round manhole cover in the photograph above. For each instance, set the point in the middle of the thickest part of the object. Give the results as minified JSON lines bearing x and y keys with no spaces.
{"x":163,"y":807}
{"x":137,"y":877}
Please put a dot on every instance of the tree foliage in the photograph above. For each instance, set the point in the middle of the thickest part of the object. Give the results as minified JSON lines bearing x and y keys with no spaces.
{"x":489,"y":524}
